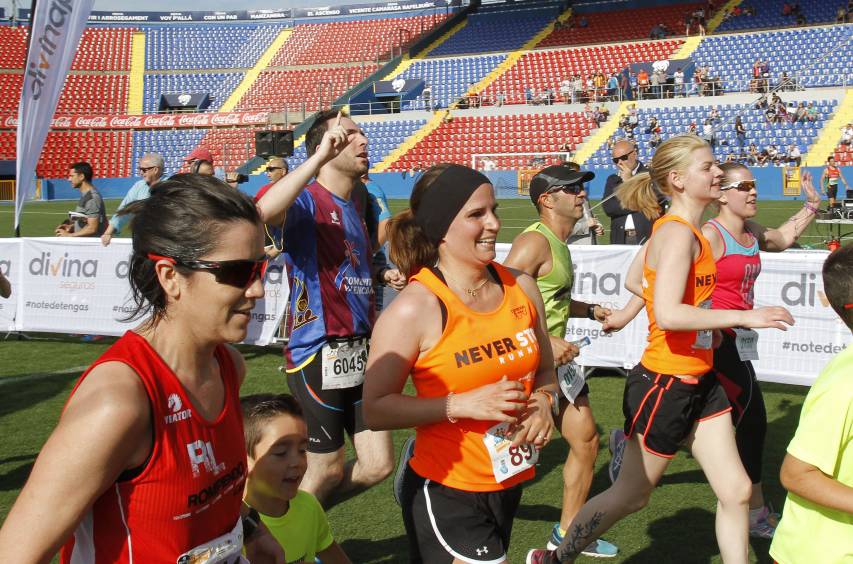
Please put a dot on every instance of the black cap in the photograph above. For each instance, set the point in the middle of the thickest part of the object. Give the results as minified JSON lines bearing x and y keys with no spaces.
{"x":556,"y":175}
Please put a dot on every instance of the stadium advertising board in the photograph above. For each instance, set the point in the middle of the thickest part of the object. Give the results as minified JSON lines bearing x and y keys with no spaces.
{"x":80,"y":286}
{"x":791,"y":279}
{"x":10,"y":264}
{"x":152,"y":121}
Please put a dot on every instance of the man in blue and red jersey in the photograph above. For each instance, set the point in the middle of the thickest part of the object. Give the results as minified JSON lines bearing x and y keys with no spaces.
{"x":332,"y":305}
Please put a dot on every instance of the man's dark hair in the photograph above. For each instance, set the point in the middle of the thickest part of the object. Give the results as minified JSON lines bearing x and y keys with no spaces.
{"x":319,"y":127}
{"x":838,"y":282}
{"x":83,"y":168}
{"x":183,"y":219}
{"x":260,"y":408}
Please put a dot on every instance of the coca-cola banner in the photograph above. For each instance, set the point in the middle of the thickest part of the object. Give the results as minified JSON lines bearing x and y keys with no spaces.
{"x":152,"y":121}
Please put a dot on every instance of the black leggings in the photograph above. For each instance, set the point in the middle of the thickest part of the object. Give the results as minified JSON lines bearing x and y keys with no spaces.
{"x":737,"y":377}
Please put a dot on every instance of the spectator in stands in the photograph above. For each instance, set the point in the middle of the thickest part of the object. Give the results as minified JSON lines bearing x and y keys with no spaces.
{"x":740,"y":135}
{"x":426,"y":94}
{"x":763,"y":158}
{"x":655,"y":139}
{"x":337,"y":158}
{"x":773,"y":155}
{"x":5,"y":286}
{"x":625,"y":86}
{"x":643,"y":84}
{"x":151,"y":167}
{"x":199,"y":154}
{"x":752,"y":155}
{"x":577,"y":89}
{"x":811,"y":111}
{"x":613,"y":87}
{"x":794,"y":156}
{"x":89,"y":218}
{"x":847,"y":134}
{"x":654,"y":85}
{"x":203,"y":167}
{"x":627,"y":227}
{"x":500,"y":98}
{"x":652,"y":125}
{"x":800,"y":113}
{"x":709,"y":133}
{"x":691,"y":129}
{"x":678,"y":82}
{"x":566,"y":90}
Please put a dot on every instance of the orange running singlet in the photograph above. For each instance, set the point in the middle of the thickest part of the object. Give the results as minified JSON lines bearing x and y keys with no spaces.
{"x":474,"y":349}
{"x":681,"y":352}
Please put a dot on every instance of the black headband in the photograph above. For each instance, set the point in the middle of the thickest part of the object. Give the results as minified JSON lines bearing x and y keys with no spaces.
{"x":444,"y":198}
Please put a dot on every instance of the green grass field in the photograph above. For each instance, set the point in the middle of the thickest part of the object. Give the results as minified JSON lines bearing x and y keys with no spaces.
{"x":37,"y":375}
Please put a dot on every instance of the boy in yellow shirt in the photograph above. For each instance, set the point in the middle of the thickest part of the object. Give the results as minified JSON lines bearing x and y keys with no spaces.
{"x":277,"y":441}
{"x":817,"y":522}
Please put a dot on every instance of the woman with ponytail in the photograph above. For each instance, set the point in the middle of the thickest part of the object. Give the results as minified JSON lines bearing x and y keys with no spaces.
{"x":471,"y":334}
{"x":155,"y":422}
{"x":672,"y":397}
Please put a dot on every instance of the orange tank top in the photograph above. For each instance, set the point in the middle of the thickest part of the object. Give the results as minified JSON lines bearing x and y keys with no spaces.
{"x":681,"y":352}
{"x":474,"y":349}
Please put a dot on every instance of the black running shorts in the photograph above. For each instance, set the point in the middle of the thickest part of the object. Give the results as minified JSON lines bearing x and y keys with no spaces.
{"x":664,"y":408}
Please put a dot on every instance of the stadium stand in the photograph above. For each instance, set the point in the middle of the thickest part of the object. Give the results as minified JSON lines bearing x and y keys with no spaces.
{"x":545,"y":69}
{"x":173,"y":145}
{"x":104,"y":49}
{"x":10,"y":92}
{"x":351,"y":41}
{"x":791,"y":51}
{"x":94,"y":94}
{"x":677,"y":120}
{"x":306,"y":89}
{"x":619,"y":25}
{"x":457,"y":140}
{"x":13,"y":47}
{"x":198,"y":46}
{"x":109,"y":152}
{"x":769,"y":14}
{"x":219,"y":85}
{"x":496,"y":28}
{"x":450,"y":78}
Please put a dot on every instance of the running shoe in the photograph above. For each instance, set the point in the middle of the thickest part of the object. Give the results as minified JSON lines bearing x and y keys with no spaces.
{"x":539,"y":556}
{"x":599,"y":549}
{"x":399,"y":476}
{"x":617,"y":450}
{"x":765,"y":526}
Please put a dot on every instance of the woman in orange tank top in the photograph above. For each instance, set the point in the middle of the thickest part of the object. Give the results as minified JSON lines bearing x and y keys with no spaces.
{"x":672,"y":398}
{"x":471,"y":334}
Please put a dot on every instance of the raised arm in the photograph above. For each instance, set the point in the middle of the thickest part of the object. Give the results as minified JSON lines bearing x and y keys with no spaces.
{"x":781,"y":238}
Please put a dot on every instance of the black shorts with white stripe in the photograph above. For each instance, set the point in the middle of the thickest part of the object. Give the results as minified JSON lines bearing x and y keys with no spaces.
{"x":444,"y":523}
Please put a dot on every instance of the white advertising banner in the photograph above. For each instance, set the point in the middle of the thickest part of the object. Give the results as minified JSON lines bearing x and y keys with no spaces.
{"x":10,"y":261}
{"x":791,"y":279}
{"x":54,"y":34}
{"x":79,"y":286}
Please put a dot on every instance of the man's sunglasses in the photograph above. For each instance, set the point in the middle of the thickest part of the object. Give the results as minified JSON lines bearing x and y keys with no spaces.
{"x":272,"y":168}
{"x":237,"y":273}
{"x":740,"y":186}
{"x":144,"y":169}
{"x":573,"y":189}
{"x":622,"y":157}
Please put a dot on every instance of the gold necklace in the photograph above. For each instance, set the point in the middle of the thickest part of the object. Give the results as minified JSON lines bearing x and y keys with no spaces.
{"x":470,"y":291}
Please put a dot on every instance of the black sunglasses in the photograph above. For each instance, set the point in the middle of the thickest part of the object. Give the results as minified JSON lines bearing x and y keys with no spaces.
{"x":238,"y":273}
{"x":573,"y":189}
{"x":741,"y":186}
{"x":144,"y":169}
{"x":272,"y":168}
{"x":622,"y":157}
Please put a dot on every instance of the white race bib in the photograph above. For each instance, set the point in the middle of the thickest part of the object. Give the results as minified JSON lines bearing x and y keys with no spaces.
{"x":571,"y":378}
{"x":746,"y":341}
{"x":507,"y":460}
{"x":344,"y":364}
{"x":705,"y":337}
{"x":226,"y":549}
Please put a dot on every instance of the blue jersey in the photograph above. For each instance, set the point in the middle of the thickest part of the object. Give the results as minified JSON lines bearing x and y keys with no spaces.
{"x":328,"y":257}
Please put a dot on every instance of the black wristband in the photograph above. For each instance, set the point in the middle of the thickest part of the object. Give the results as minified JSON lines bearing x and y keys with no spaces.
{"x":251,"y":522}
{"x":590,"y":312}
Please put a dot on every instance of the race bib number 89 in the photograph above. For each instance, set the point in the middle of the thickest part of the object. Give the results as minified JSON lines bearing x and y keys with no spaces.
{"x":507,"y":460}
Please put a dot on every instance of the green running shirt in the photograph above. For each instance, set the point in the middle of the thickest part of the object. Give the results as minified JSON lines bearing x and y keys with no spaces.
{"x":556,"y":286}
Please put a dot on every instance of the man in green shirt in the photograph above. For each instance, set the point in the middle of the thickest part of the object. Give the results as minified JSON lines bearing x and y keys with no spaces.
{"x":541,"y":251}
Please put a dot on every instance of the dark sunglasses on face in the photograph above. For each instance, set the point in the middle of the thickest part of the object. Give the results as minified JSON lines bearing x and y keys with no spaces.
{"x":573,"y":189}
{"x":272,"y":168}
{"x":237,"y":273}
{"x":741,"y":186}
{"x":622,"y":157}
{"x":144,"y":169}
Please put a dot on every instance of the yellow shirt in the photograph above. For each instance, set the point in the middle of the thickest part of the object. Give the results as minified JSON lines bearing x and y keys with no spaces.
{"x":810,"y":532}
{"x":303,"y":531}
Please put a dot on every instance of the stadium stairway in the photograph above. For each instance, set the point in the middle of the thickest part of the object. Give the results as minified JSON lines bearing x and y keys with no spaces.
{"x":717,"y":19}
{"x":602,"y":134}
{"x":830,"y":135}
{"x":136,"y":80}
{"x":514,"y":56}
{"x":252,"y":74}
{"x":690,"y":44}
{"x":404,"y":147}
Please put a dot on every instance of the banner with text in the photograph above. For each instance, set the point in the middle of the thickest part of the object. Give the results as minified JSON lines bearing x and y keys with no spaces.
{"x":791,"y":279}
{"x":151,"y":121}
{"x":10,"y":266}
{"x":79,"y":286}
{"x":54,"y":34}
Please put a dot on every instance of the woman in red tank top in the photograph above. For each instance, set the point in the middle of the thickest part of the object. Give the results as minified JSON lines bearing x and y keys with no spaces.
{"x":735,"y":240}
{"x":671,"y":397}
{"x":471,"y":333}
{"x":147,"y":462}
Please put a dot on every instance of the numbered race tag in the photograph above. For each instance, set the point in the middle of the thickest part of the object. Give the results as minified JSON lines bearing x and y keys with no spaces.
{"x":704,"y":338}
{"x":571,"y":379}
{"x":226,"y":549}
{"x":507,"y":460}
{"x":344,"y":364}
{"x":746,"y":341}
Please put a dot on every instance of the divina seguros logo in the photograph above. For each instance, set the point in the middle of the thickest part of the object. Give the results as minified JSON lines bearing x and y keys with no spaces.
{"x":57,"y":19}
